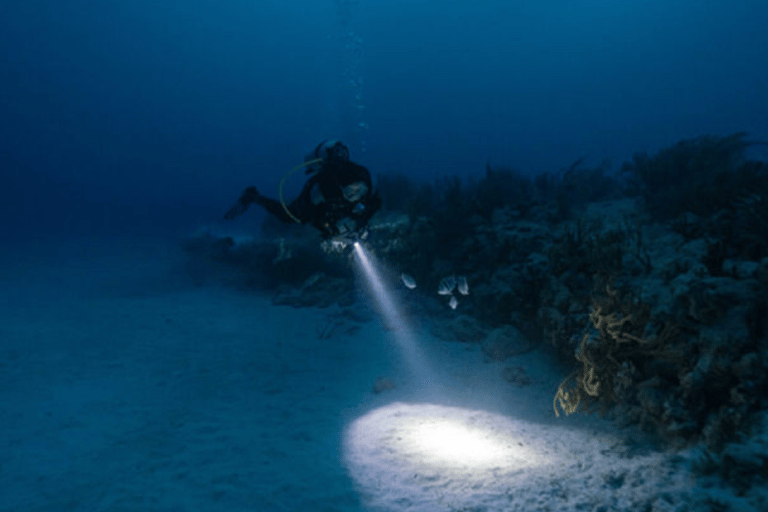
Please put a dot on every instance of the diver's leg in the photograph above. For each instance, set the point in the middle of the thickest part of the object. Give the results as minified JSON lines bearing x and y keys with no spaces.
{"x":251,"y":196}
{"x":248,"y":197}
{"x":276,"y":208}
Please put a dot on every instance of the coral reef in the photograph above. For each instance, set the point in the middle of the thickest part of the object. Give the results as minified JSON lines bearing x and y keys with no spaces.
{"x":696,"y":176}
{"x":652,"y":282}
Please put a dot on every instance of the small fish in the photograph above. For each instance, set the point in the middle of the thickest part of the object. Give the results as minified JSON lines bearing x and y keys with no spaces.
{"x":463,"y":285}
{"x":408,"y":281}
{"x":453,"y":302}
{"x":447,"y":284}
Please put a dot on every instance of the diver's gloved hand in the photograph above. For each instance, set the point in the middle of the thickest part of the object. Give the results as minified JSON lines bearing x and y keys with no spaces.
{"x":250,"y":196}
{"x":371,"y":206}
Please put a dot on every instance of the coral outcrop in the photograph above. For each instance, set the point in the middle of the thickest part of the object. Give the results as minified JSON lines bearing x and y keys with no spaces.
{"x":652,"y":282}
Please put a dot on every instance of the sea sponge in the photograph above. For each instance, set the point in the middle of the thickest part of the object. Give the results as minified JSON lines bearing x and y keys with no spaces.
{"x":616,"y":337}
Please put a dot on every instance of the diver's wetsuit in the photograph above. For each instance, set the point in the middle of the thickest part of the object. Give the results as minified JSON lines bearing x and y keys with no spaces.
{"x":322,"y":201}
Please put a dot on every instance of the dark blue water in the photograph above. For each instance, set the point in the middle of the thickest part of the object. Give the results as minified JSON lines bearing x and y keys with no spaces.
{"x":152,"y":116}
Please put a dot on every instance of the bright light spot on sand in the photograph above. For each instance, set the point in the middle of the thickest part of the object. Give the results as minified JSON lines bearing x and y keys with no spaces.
{"x":453,"y":442}
{"x":424,"y":453}
{"x":440,"y":437}
{"x":426,"y":457}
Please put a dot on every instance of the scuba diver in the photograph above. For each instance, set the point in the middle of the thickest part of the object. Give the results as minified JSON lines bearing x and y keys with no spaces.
{"x":338,"y":198}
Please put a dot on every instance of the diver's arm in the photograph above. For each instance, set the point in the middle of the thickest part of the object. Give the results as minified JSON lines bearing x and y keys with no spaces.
{"x":372,"y":204}
{"x":323,"y":222}
{"x":363,"y":174}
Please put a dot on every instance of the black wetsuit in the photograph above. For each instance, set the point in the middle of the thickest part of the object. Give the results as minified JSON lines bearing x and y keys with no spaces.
{"x":321,"y":201}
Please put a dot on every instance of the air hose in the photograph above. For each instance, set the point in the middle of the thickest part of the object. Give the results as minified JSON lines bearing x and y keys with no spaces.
{"x":280,"y":188}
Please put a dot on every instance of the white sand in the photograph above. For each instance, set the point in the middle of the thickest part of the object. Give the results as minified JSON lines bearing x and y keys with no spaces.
{"x":123,"y":388}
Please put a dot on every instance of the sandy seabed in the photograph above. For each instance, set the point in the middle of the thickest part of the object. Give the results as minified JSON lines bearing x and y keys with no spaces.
{"x":124,"y":386}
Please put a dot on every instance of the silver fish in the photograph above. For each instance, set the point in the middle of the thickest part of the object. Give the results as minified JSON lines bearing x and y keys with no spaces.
{"x":447,"y":284}
{"x":462,"y":285}
{"x":453,"y":302}
{"x":408,"y":281}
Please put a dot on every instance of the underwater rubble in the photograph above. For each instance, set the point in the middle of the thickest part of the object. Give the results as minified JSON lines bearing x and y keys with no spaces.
{"x":651,"y":282}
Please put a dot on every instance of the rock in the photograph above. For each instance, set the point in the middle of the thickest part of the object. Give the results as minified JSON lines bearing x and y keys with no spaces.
{"x":318,"y":290}
{"x":383,"y":384}
{"x":504,"y":343}
{"x":745,"y":458}
{"x":516,"y":375}
{"x":463,"y":328}
{"x":688,"y":225}
{"x":652,"y":400}
{"x":741,"y":269}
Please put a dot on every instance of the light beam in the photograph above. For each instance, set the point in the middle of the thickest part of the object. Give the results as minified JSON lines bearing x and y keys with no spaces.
{"x":394,"y":319}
